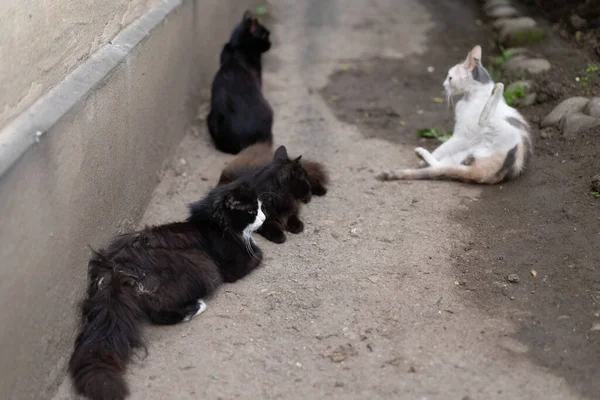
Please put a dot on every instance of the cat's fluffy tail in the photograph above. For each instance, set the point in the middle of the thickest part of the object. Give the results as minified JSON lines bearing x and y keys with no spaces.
{"x":317,"y":175}
{"x":109,"y":333}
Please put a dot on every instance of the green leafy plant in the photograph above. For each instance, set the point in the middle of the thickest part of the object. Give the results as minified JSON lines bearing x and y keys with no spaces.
{"x":584,"y":78}
{"x":495,"y":73}
{"x":516,"y":93}
{"x":596,"y":194}
{"x":432,"y":133}
{"x":504,"y":57}
{"x":583,"y":81}
{"x":261,"y":11}
{"x":529,"y":36}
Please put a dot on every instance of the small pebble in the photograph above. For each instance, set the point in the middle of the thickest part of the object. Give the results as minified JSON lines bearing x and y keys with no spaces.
{"x":514,"y":278}
{"x":546,"y":133}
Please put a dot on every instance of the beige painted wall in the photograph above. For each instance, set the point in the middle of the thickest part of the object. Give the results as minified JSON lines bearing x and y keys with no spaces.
{"x":92,"y":172}
{"x":42,"y":40}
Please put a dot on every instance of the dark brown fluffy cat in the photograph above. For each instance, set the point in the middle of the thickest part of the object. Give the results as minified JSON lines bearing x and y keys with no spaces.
{"x":259,"y":155}
{"x":160,"y":274}
{"x":283,"y":183}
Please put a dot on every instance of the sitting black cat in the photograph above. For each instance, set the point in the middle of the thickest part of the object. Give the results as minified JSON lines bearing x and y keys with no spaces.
{"x":240,"y":115}
{"x":283,"y":184}
{"x":160,"y":274}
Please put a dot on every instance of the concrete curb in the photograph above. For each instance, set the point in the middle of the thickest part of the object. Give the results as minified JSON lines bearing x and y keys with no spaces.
{"x":29,"y":127}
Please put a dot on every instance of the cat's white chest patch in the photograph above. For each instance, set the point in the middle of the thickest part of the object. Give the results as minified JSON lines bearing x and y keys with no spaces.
{"x":257,"y":223}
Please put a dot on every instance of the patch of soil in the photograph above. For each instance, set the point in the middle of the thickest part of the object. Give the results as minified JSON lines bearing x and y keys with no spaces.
{"x":392,"y":99}
{"x":544,"y":227}
{"x":579,"y":20}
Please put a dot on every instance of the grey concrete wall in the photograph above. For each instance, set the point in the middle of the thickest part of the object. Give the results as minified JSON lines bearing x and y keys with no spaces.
{"x":90,"y":177}
{"x":42,"y":41}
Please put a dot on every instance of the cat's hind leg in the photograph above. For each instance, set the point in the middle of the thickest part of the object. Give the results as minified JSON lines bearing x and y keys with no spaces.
{"x":450,"y":147}
{"x":272,"y":231}
{"x":490,"y":107}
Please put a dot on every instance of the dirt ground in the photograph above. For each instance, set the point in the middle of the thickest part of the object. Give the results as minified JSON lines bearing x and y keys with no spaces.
{"x":577,"y":21}
{"x":547,"y":222}
{"x":395,"y":289}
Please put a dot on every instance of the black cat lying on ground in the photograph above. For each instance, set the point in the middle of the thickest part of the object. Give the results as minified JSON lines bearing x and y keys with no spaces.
{"x":284,"y":184}
{"x":160,"y":274}
{"x":240,"y":115}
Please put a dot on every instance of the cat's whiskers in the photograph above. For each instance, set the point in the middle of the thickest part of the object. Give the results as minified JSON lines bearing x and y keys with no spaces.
{"x":248,"y":242}
{"x":450,"y":98}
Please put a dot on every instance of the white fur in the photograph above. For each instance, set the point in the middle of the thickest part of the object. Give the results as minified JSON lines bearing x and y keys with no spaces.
{"x":142,"y":290}
{"x":257,"y":223}
{"x":472,"y":136}
{"x":486,"y":132}
{"x":201,"y":309}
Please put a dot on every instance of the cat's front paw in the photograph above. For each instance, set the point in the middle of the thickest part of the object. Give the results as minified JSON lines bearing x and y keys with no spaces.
{"x":276,"y":237}
{"x":294,"y":225}
{"x":273,"y":234}
{"x":195,"y":309}
{"x":319,"y":190}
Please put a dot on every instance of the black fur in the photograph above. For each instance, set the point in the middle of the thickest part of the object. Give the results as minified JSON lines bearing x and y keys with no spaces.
{"x":282,"y":186}
{"x":158,"y":274}
{"x":240,"y":115}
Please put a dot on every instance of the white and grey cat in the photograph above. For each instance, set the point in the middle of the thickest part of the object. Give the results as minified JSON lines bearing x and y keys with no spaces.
{"x":491,"y":141}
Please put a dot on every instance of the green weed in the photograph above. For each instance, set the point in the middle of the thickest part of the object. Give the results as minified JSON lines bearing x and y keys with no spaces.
{"x":511,"y":96}
{"x":432,"y":133}
{"x":529,"y":36}
{"x":504,"y":57}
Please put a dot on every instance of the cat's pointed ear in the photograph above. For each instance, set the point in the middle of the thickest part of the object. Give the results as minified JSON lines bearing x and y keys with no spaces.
{"x":247,"y":15}
{"x":231,"y":202}
{"x":476,"y":52}
{"x":473,"y":57}
{"x":240,"y":191}
{"x":244,"y":188}
{"x":281,"y":154}
{"x":297,"y":160}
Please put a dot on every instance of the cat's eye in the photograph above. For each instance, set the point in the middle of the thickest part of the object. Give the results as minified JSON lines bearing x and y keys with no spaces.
{"x":449,"y":78}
